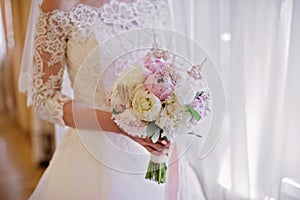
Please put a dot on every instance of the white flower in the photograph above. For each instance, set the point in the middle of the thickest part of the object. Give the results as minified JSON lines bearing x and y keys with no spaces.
{"x":120,"y":98}
{"x":169,"y":113}
{"x":145,"y":105}
{"x":173,"y":118}
{"x":184,"y":91}
{"x":131,"y":124}
{"x":122,"y":89}
{"x":131,"y":77}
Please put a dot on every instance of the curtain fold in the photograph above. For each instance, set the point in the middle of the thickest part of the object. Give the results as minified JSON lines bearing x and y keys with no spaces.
{"x":255,"y":47}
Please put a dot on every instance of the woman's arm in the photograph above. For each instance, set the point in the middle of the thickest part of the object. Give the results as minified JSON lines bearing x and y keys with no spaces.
{"x":79,"y":115}
{"x":64,"y":5}
{"x":48,"y":101}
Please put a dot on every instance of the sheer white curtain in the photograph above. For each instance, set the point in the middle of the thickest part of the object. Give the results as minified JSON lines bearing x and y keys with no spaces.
{"x":256,"y":46}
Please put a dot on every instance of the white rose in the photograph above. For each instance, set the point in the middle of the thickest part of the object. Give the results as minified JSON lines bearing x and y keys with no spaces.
{"x":146,"y":106}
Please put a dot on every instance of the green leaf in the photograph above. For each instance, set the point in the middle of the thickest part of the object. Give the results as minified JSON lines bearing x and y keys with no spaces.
{"x":199,"y":94}
{"x":152,"y":129}
{"x":155,"y":137}
{"x":165,"y":138}
{"x":192,"y":133}
{"x":194,"y":113}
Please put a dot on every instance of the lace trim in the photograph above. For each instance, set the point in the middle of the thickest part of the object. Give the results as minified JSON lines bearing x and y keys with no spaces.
{"x":113,"y":17}
{"x":82,"y":22}
{"x":48,"y":67}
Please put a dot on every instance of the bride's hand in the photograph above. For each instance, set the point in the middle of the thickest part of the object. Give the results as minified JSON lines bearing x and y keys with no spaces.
{"x":158,"y":148}
{"x":161,"y":147}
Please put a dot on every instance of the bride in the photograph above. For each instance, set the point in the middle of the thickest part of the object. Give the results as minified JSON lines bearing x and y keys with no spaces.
{"x":65,"y":34}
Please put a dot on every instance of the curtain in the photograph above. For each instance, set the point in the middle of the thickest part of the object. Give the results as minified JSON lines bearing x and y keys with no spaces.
{"x":256,"y":47}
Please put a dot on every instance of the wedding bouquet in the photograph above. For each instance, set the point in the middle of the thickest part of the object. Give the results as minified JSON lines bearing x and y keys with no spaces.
{"x":156,"y":98}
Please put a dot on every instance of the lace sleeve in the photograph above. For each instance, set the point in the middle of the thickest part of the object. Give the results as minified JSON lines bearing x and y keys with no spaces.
{"x":48,"y":66}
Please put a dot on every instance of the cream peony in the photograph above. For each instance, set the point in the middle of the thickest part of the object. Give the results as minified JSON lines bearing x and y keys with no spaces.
{"x":145,"y":105}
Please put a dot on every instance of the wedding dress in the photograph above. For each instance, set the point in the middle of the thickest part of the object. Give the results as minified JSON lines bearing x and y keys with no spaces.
{"x":80,"y":170}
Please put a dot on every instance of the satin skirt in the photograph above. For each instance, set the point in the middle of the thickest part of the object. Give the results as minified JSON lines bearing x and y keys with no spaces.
{"x":75,"y":173}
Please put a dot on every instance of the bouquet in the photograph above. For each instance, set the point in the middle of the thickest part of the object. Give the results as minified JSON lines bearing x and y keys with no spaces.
{"x":156,"y":98}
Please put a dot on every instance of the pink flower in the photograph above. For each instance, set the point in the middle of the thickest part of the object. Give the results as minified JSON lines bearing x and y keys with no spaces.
{"x":145,"y":73}
{"x":155,"y":65}
{"x":160,"y":85}
{"x":200,"y":104}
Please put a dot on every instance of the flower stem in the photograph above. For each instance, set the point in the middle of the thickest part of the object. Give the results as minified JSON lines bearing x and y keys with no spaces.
{"x":157,"y":172}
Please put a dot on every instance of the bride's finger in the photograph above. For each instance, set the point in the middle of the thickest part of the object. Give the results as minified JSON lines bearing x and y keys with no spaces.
{"x":147,"y":143}
{"x":164,"y":142}
{"x":160,"y":141}
{"x":149,"y":149}
{"x":158,"y":146}
{"x":155,"y":151}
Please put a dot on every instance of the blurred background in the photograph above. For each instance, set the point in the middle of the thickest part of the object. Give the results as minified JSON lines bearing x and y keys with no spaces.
{"x":21,"y":164}
{"x":256,"y":47}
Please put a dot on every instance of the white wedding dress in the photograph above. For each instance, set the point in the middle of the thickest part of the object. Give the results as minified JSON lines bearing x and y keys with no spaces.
{"x":88,"y":164}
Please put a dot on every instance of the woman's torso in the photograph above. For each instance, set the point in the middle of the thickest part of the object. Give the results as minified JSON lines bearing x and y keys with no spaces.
{"x":86,"y":26}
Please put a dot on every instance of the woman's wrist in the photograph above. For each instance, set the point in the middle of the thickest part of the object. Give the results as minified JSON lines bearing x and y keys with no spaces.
{"x":106,"y":122}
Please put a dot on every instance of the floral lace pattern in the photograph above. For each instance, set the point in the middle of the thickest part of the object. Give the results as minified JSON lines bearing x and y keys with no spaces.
{"x":47,"y":71}
{"x":55,"y":28}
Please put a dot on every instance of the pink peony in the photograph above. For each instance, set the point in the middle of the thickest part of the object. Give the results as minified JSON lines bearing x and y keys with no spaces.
{"x":155,"y":65}
{"x":160,"y":85}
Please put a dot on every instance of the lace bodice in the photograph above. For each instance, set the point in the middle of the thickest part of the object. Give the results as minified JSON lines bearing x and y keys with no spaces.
{"x":64,"y":39}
